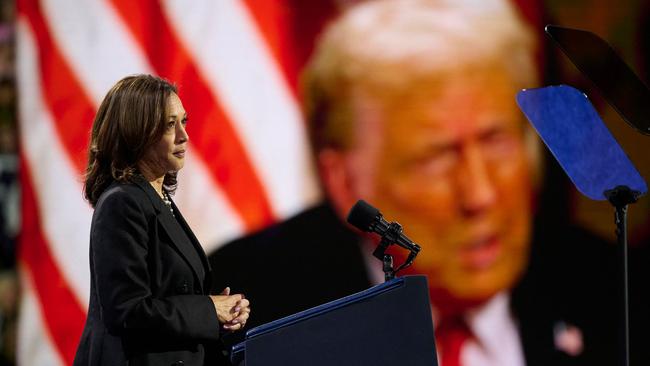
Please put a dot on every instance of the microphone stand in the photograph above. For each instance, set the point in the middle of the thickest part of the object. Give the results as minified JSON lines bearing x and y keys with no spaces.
{"x":386,"y":259}
{"x":620,"y":197}
{"x":390,"y":237}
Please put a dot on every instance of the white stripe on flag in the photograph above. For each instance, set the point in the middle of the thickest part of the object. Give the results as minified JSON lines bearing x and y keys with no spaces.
{"x":204,"y":207}
{"x":95,"y":43}
{"x":64,"y":214}
{"x":34,"y":346}
{"x":233,"y":57}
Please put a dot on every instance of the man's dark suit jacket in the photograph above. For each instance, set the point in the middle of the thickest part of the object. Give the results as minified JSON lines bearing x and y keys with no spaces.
{"x":313,"y":258}
{"x":149,"y":285}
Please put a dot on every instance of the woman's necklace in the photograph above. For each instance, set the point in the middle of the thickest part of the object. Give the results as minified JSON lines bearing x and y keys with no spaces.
{"x":168,"y":202}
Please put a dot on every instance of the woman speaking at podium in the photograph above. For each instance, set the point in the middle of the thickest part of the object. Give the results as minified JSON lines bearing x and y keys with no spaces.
{"x":149,"y":301}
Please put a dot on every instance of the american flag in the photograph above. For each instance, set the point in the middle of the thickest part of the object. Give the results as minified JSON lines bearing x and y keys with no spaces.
{"x":237,"y":66}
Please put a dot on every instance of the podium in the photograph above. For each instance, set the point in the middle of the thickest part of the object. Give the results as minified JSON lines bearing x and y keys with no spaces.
{"x":388,"y":324}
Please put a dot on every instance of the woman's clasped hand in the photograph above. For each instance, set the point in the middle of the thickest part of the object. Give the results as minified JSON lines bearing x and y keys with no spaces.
{"x":232,"y":310}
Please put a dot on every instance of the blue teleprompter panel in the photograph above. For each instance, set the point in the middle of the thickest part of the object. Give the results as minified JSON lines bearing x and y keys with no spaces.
{"x":579,"y":140}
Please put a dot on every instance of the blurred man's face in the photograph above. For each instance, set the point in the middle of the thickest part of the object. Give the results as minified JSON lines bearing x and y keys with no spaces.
{"x":449,"y":163}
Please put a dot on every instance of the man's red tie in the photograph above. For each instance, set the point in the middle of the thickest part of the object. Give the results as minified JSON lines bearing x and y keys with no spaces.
{"x":451,"y":334}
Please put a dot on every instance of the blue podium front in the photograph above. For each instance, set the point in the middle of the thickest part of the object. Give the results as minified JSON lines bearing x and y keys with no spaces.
{"x":389,"y":324}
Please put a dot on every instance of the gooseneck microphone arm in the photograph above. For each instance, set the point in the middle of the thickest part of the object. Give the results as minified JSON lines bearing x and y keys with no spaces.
{"x":367,"y":218}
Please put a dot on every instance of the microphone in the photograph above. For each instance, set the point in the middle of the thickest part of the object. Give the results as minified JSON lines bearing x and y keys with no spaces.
{"x":367,"y":218}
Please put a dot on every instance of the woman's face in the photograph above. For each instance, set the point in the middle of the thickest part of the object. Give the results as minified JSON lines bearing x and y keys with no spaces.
{"x":168,"y":154}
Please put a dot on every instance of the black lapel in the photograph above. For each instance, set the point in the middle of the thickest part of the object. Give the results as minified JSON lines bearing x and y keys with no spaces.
{"x":191,"y":236}
{"x":195,"y":243}
{"x":185,"y":248}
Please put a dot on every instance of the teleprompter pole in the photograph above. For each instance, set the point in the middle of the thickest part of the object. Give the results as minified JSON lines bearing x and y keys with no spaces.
{"x":620,"y":197}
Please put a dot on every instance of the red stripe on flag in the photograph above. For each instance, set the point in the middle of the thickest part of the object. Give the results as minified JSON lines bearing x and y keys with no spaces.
{"x":290,"y":28}
{"x":71,"y":108}
{"x":211,"y":133}
{"x":61,"y":312}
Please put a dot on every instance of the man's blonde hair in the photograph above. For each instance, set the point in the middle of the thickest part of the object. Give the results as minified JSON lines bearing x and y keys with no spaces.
{"x":390,"y":45}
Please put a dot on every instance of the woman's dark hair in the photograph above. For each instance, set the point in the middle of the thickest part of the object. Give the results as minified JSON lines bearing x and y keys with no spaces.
{"x":130,"y":119}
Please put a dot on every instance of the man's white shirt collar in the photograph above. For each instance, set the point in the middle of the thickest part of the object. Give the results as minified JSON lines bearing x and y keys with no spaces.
{"x":496,"y":339}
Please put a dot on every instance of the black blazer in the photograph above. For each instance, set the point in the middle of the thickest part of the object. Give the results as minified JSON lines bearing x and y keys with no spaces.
{"x":314,"y":256}
{"x":149,"y":284}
